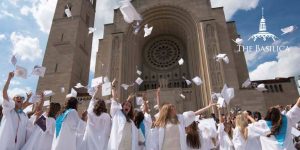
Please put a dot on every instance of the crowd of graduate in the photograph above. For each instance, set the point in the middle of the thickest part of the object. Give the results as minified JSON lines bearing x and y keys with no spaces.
{"x":125,"y":128}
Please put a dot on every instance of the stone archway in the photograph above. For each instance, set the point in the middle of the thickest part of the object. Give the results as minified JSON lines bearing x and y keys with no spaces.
{"x":172,"y":25}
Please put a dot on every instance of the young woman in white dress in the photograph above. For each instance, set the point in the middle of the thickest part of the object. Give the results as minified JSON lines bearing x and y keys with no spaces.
{"x":169,"y":132}
{"x":14,"y":122}
{"x":143,"y":122}
{"x":277,"y":128}
{"x":98,"y":127}
{"x":66,"y":127}
{"x":42,"y":140}
{"x":245,"y":135}
{"x":200,"y":138}
{"x":124,"y":134}
{"x":225,"y":133}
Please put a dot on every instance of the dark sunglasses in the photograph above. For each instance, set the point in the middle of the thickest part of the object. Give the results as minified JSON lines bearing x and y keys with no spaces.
{"x":20,"y":97}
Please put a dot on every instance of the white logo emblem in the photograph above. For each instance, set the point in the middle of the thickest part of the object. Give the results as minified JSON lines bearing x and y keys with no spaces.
{"x":263,"y":34}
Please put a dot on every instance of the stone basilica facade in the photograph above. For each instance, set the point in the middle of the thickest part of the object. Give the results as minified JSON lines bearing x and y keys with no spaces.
{"x":188,"y":29}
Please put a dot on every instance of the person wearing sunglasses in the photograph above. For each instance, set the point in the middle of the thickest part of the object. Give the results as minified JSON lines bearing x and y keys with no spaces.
{"x":14,"y":121}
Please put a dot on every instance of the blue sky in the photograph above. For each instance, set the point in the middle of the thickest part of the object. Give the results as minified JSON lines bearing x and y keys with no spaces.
{"x":24,"y":27}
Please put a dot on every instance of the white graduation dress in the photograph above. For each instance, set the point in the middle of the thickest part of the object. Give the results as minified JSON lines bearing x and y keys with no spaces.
{"x":157,"y":134}
{"x":251,"y":143}
{"x":118,"y":124}
{"x":225,"y":143}
{"x":293,"y":116}
{"x":147,"y":123}
{"x":67,"y":138}
{"x":207,"y":133}
{"x":39,"y":139}
{"x":97,"y":131}
{"x":13,"y":127}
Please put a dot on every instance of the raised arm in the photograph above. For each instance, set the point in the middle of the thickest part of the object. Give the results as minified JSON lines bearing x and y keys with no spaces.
{"x":27,"y":103}
{"x":221,"y":119}
{"x":39,"y":106}
{"x":250,"y":118}
{"x":158,"y":97}
{"x":5,"y":88}
{"x":146,"y":107}
{"x":113,"y":90}
{"x":200,"y":111}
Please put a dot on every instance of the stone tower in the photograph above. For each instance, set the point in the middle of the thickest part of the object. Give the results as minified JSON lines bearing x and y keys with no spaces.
{"x":68,"y":53}
{"x":191,"y":30}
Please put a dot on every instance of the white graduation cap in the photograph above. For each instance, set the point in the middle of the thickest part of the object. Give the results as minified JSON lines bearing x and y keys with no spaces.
{"x":221,"y":102}
{"x":125,"y":86}
{"x":13,"y":60}
{"x":238,"y":41}
{"x":91,"y":91}
{"x":182,"y":96}
{"x":295,"y":132}
{"x":39,"y":71}
{"x":188,"y":82}
{"x":48,"y":93}
{"x":28,"y":109}
{"x":147,"y":30}
{"x":46,"y":103}
{"x":79,"y":85}
{"x":139,"y":72}
{"x":197,"y":80}
{"x":223,"y":57}
{"x":261,"y":87}
{"x":139,"y":100}
{"x":68,"y":12}
{"x":106,"y":79}
{"x":91,"y":30}
{"x":106,"y":89}
{"x":21,"y":72}
{"x":136,"y":27}
{"x":139,"y":81}
{"x":73,"y":93}
{"x":288,"y":29}
{"x":215,"y":96}
{"x":180,"y":61}
{"x":62,"y":90}
{"x":227,"y":93}
{"x":247,"y":83}
{"x":35,"y":98}
{"x":129,"y":12}
{"x":97,"y":81}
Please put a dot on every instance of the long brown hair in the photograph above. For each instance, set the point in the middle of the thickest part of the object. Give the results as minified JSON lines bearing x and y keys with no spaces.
{"x":99,"y":107}
{"x":54,"y":109}
{"x":193,"y":137}
{"x":274,"y":115}
{"x":165,"y":116}
{"x":129,"y":116}
{"x":241,"y":122}
{"x":228,"y":124}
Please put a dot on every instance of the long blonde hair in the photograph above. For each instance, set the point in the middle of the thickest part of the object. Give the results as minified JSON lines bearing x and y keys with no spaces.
{"x":165,"y":116}
{"x":241,"y":122}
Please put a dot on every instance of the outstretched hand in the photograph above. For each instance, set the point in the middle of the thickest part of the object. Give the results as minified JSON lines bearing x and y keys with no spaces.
{"x":11,"y":75}
{"x":130,"y":97}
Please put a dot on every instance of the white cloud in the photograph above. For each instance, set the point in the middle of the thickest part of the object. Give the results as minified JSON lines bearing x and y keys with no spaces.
{"x":287,"y":65}
{"x":14,"y":2}
{"x":232,"y":6}
{"x":5,"y":13}
{"x":26,"y":47}
{"x":42,"y":11}
{"x":2,"y":37}
{"x":25,"y":10}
